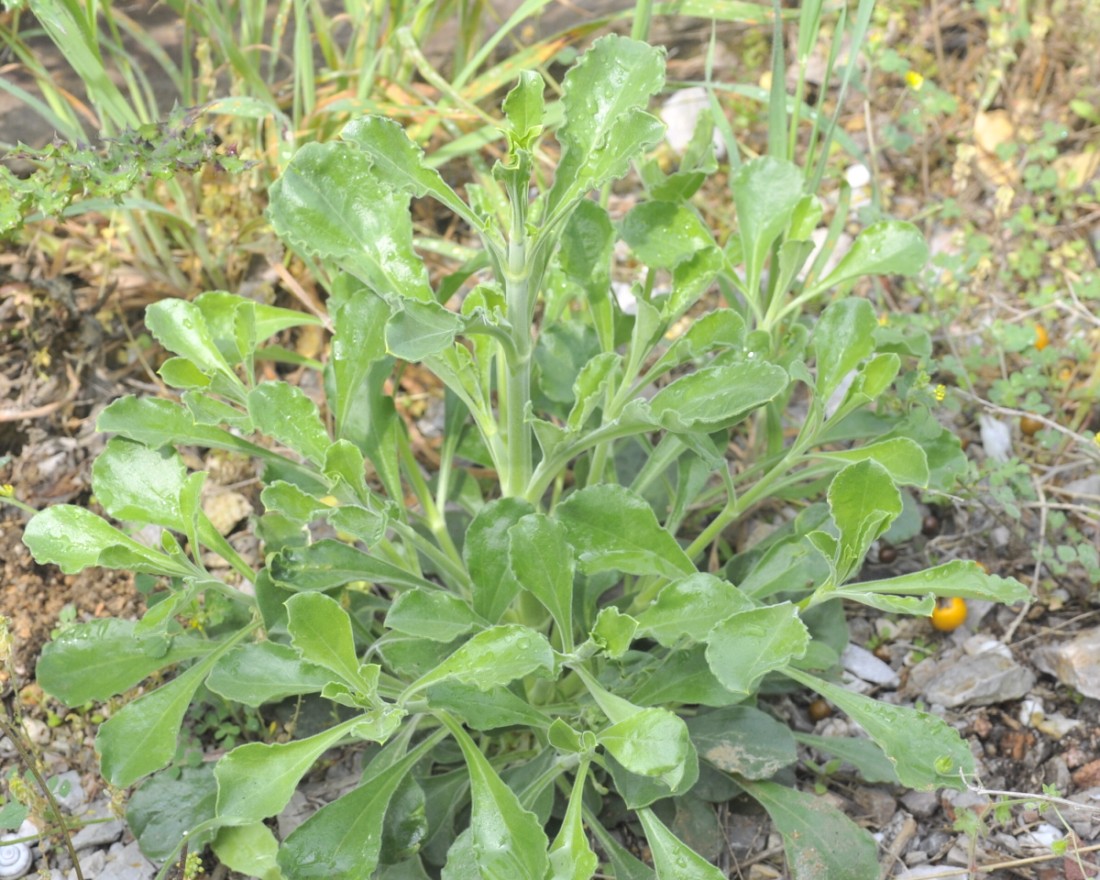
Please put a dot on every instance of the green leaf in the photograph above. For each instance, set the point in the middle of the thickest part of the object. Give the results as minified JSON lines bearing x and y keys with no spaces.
{"x":320,"y":630}
{"x":925,"y":752}
{"x":330,"y":564}
{"x":571,"y":857}
{"x":141,"y":736}
{"x":821,"y":843}
{"x":249,"y":849}
{"x":169,"y":806}
{"x":889,"y":247}
{"x":902,"y":458}
{"x":398,"y":161}
{"x":690,"y":280}
{"x":714,"y":331}
{"x":606,"y":125}
{"x":863,"y":754}
{"x":508,"y":840}
{"x":613,"y":528}
{"x":717,"y":397}
{"x":683,"y":677}
{"x":673,"y":859}
{"x":284,"y":412}
{"x":156,"y":422}
{"x":962,"y":578}
{"x":359,"y":319}
{"x":743,"y":740}
{"x":74,"y":538}
{"x":766,"y":192}
{"x":651,"y":742}
{"x":863,"y":501}
{"x":135,"y":483}
{"x":343,"y":839}
{"x":747,"y":645}
{"x":486,"y":555}
{"x":690,"y":608}
{"x":493,"y":657}
{"x":179,"y":325}
{"x":432,"y":614}
{"x":485,"y":709}
{"x":842,"y":337}
{"x":418,"y":330}
{"x":257,"y":780}
{"x":101,"y":658}
{"x":613,"y":631}
{"x":264,"y":672}
{"x":663,"y":235}
{"x":332,"y":203}
{"x":524,"y":107}
{"x":542,"y":562}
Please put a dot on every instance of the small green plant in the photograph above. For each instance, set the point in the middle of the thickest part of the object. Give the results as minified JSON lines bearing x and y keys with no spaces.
{"x":545,"y":629}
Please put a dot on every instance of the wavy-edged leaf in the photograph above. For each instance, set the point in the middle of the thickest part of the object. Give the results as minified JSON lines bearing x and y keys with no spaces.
{"x":614,"y":528}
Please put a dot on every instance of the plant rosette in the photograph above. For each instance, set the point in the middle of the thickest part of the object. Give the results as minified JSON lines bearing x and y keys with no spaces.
{"x":520,"y":657}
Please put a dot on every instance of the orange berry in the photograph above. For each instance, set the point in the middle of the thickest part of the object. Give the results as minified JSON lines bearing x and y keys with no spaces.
{"x":949,"y":614}
{"x":1030,"y":426}
{"x":1042,"y":340}
{"x":819,"y":710}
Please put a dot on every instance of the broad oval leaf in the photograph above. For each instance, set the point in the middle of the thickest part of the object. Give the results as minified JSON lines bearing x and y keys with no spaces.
{"x":614,"y":528}
{"x":485,"y":709}
{"x":606,"y":125}
{"x":486,"y":555}
{"x":717,"y":397}
{"x":331,"y":202}
{"x":264,"y":672}
{"x":902,"y":458}
{"x":257,"y":780}
{"x":664,"y":234}
{"x":141,"y":737}
{"x":820,"y":842}
{"x":690,"y":608}
{"x":284,"y":412}
{"x":432,"y":614}
{"x":542,"y":561}
{"x":863,"y":501}
{"x":651,"y":742}
{"x":746,"y":646}
{"x":766,"y":192}
{"x":743,"y":740}
{"x":491,"y":658}
{"x":321,"y":632}
{"x":74,"y":538}
{"x":180,"y":326}
{"x":889,"y":247}
{"x":843,"y":336}
{"x":101,"y":658}
{"x":139,"y":484}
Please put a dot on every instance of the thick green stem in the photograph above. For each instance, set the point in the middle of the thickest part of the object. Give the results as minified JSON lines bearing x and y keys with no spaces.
{"x":517,"y":372}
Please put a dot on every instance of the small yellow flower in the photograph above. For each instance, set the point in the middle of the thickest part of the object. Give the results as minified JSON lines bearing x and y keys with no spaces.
{"x":940,"y":393}
{"x":7,"y":490}
{"x":883,"y":319}
{"x":914,"y":80}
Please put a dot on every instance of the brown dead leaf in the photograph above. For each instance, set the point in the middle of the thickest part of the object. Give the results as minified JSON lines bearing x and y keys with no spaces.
{"x":992,"y":129}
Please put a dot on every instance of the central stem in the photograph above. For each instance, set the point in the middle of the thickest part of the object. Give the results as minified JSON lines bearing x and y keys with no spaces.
{"x":516,"y":374}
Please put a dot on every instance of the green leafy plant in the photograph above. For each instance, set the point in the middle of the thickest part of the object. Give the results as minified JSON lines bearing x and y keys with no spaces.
{"x":549,"y":626}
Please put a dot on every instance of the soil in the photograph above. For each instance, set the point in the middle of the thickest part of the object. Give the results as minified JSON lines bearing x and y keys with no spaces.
{"x":67,"y":330}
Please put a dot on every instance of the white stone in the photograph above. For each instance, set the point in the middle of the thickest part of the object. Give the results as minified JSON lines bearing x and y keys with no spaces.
{"x":681,"y":113}
{"x":863,"y":664}
{"x":996,"y":438}
{"x":1075,"y":663}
